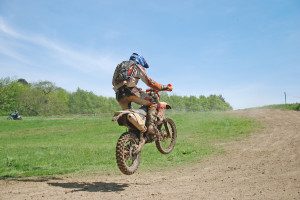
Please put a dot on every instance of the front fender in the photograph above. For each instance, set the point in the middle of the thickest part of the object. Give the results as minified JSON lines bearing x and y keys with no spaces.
{"x":163,"y":105}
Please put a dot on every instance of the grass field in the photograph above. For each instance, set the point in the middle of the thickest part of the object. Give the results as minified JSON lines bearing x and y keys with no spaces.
{"x":47,"y":146}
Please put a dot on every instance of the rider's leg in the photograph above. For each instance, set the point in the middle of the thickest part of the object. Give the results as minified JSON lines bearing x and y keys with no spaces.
{"x":125,"y":103}
{"x":144,"y":102}
{"x":152,"y":112}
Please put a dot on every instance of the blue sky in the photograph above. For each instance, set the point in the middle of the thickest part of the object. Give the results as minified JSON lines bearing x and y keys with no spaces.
{"x":248,"y":51}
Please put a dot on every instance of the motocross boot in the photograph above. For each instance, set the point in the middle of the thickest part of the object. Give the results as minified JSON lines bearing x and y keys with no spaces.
{"x":150,"y":123}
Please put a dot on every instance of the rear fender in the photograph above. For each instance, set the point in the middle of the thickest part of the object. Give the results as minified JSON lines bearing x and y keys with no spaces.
{"x":119,"y":114}
{"x":130,"y":117}
{"x":121,"y":117}
{"x":136,"y":120}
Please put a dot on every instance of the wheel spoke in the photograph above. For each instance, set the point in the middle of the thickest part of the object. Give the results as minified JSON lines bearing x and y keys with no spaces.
{"x":128,"y":151}
{"x":167,"y":129}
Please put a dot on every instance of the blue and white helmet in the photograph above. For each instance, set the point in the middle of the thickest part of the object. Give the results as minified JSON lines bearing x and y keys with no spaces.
{"x":139,"y":60}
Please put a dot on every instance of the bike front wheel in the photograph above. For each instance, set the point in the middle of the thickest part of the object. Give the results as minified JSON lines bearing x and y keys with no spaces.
{"x":169,"y":134}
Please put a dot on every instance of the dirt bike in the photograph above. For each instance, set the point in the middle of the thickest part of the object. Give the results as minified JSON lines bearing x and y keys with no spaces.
{"x":127,"y":155}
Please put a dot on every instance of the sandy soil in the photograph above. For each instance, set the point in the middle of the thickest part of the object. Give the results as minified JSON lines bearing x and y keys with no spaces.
{"x":265,"y":165}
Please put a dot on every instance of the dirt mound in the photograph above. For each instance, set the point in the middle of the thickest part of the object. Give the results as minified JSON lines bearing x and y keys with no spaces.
{"x":266,"y":165}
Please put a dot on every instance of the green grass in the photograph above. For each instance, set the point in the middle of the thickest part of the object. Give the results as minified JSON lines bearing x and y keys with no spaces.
{"x":47,"y":146}
{"x":292,"y":106}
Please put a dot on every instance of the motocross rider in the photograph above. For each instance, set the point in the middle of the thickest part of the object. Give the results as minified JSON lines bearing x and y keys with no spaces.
{"x":125,"y":79}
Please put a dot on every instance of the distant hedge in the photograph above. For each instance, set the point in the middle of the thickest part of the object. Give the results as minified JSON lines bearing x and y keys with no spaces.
{"x":44,"y":98}
{"x":292,"y":106}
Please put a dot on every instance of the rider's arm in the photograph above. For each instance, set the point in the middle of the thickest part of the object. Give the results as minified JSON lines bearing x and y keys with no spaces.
{"x":147,"y":80}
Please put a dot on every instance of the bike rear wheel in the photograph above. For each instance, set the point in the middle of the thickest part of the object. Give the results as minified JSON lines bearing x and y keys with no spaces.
{"x":128,"y":162}
{"x":169,"y":135}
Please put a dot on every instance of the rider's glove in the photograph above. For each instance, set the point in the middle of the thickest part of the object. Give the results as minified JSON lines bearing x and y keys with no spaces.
{"x":168,"y":87}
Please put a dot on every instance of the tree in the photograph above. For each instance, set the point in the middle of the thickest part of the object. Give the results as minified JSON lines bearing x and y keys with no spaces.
{"x":10,"y":91}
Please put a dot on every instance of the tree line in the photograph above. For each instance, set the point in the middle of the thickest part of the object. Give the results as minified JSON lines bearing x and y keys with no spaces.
{"x":44,"y":98}
{"x":197,"y":103}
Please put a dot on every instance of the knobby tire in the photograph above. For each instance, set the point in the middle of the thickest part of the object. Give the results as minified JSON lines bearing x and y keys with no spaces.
{"x":124,"y":146}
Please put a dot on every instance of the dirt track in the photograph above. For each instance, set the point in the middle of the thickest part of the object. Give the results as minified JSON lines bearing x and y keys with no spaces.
{"x":265,"y":165}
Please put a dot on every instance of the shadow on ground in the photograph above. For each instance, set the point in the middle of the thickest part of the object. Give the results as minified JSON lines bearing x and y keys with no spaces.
{"x":91,"y":187}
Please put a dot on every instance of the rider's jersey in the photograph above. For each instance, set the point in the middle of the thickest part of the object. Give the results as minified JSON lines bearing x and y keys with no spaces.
{"x":136,"y":72}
